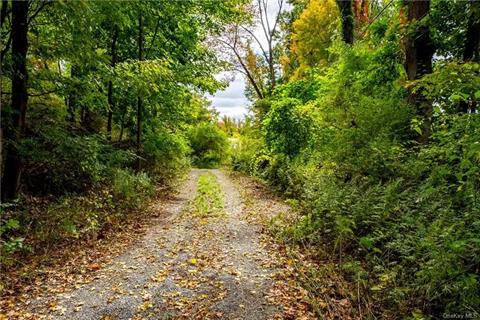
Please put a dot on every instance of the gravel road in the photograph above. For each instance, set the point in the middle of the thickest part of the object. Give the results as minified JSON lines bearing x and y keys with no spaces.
{"x":185,"y":267}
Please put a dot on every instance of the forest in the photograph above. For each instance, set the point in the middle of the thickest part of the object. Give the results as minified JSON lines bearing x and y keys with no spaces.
{"x":362,"y":120}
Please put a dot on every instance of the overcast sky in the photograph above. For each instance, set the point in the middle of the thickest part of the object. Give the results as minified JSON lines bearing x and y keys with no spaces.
{"x":232,"y":101}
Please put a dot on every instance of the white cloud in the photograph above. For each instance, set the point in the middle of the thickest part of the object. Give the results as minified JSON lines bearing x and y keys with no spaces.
{"x":232,"y":100}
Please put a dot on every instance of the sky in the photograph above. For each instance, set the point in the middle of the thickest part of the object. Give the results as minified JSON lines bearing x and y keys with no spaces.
{"x":232,"y":101}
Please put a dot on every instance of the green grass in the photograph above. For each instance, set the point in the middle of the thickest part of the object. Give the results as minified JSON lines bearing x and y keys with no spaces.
{"x":209,"y":200}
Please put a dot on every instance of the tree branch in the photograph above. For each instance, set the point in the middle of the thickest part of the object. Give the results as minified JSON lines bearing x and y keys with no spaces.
{"x":153,"y":39}
{"x":264,"y":53}
{"x":37,"y":11}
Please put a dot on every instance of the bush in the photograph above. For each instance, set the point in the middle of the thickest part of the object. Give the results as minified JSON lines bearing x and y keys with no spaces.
{"x":401,"y":219}
{"x":58,"y":163}
{"x":244,"y":151}
{"x":166,"y":155}
{"x":209,"y":145}
{"x":287,"y":127}
{"x":131,"y":189}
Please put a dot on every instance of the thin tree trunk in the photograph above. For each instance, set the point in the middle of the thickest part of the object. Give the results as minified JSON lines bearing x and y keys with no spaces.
{"x":250,"y":77}
{"x":419,"y":50}
{"x":346,"y":15}
{"x":139,"y":99}
{"x":122,"y":125}
{"x":72,"y":101}
{"x":110,"y":85}
{"x":14,"y":131}
{"x":270,"y":65}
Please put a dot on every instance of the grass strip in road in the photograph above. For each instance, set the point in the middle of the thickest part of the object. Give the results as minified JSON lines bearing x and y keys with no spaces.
{"x":209,"y":201}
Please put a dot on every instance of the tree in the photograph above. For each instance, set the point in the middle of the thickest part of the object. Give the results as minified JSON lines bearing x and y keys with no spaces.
{"x":241,"y":36}
{"x":346,"y":14}
{"x":419,"y":50}
{"x":472,"y":42}
{"x":14,"y":131}
{"x":139,"y":99}
{"x":312,"y":34}
{"x":113,"y":53}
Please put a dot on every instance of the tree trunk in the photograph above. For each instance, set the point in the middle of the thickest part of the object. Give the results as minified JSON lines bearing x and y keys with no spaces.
{"x":471,"y":50}
{"x":346,"y":14}
{"x":14,"y":131}
{"x":122,"y":125}
{"x":139,"y":99}
{"x":419,"y":50}
{"x":3,"y":12}
{"x":472,"y":41}
{"x":110,"y":85}
{"x":72,"y":101}
{"x":271,"y":66}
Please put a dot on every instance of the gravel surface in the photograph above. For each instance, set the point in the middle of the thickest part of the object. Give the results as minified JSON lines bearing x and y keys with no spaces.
{"x":186,"y":267}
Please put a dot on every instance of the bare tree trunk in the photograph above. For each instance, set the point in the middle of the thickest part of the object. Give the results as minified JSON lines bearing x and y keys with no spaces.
{"x":139,"y":99}
{"x":419,"y":50}
{"x":14,"y":131}
{"x":110,"y":85}
{"x":346,"y":14}
{"x":271,"y":66}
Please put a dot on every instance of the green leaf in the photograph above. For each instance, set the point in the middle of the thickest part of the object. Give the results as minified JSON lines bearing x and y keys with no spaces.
{"x":456,"y":97}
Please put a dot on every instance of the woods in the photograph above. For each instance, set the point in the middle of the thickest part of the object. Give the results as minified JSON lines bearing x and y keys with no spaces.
{"x":98,"y":100}
{"x":362,"y":117}
{"x":372,"y":132}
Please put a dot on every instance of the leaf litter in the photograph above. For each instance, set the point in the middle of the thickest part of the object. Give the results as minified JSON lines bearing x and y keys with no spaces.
{"x":194,"y":265}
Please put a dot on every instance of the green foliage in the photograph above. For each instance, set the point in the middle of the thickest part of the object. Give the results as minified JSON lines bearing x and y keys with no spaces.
{"x":166,"y":154}
{"x":244,"y":151}
{"x":287,"y":127}
{"x":400,"y":216}
{"x":209,"y":145}
{"x":130,"y":188}
{"x":107,"y":119}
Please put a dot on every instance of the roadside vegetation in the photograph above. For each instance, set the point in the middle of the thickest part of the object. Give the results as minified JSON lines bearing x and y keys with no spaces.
{"x":210,"y":145}
{"x":364,"y":114}
{"x":372,"y":130}
{"x":102,"y":108}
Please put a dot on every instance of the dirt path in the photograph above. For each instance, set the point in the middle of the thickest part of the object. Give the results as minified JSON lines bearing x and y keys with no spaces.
{"x":186,"y":268}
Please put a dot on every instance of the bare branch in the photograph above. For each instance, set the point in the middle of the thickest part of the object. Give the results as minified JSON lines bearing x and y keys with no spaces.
{"x":154,"y":37}
{"x":265,"y":10}
{"x":277,"y":19}
{"x":264,"y":52}
{"x":260,"y":13}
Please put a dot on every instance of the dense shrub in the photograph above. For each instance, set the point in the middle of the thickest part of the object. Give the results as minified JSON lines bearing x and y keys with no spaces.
{"x":245,"y":149}
{"x":287,"y":127}
{"x":166,"y":155}
{"x":402,"y":219}
{"x":130,"y":188}
{"x":209,"y":145}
